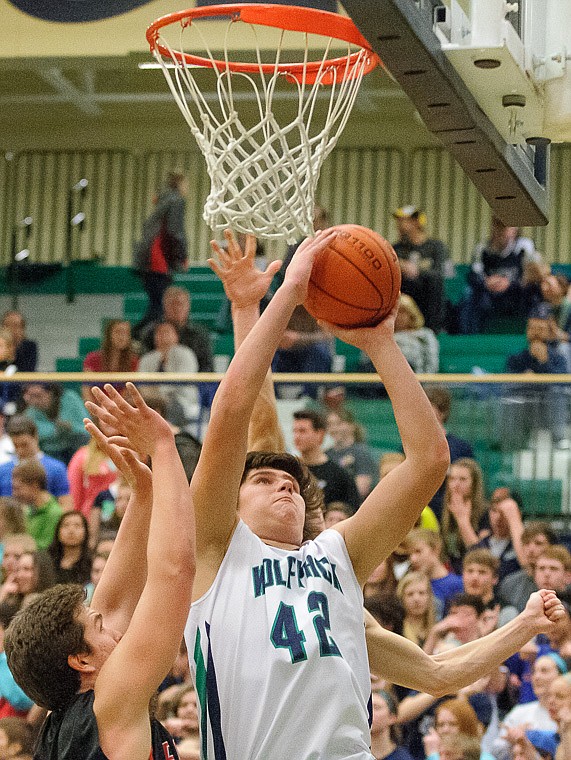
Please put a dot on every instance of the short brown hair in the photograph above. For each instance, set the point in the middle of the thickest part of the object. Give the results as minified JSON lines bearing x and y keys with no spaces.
{"x":20,"y":424}
{"x":558,"y":553}
{"x":538,"y":528}
{"x":32,"y":473}
{"x":481,"y":557}
{"x":440,"y":398}
{"x":308,"y":487}
{"x":317,"y":420}
{"x":39,"y":641}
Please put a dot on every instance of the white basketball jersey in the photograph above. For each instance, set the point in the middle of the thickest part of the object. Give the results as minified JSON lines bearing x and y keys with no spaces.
{"x":278,"y":655}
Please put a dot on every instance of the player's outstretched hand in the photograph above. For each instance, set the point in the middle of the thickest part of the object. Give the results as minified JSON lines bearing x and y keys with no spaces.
{"x":299,"y":270}
{"x":244,"y":284}
{"x":545,"y":610}
{"x":136,"y":426}
{"x":135,"y":472}
{"x":365,"y":337}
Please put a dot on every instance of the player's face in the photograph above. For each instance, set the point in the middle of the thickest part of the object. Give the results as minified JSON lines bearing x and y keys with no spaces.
{"x":550,"y":573}
{"x":415,"y":599}
{"x":101,"y":639}
{"x":478,"y":579}
{"x":271,"y":504}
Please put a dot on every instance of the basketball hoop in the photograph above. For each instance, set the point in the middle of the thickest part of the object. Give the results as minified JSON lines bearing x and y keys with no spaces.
{"x":263,"y":174}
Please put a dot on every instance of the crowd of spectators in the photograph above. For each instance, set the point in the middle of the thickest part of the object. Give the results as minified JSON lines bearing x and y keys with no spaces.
{"x":469,"y":565}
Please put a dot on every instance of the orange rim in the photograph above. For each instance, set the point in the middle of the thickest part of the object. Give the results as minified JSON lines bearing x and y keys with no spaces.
{"x":288,"y":17}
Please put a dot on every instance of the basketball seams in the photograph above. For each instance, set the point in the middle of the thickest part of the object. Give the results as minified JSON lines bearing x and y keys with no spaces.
{"x":351,"y":270}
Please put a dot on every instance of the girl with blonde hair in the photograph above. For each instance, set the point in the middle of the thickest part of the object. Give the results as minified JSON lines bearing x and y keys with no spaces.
{"x":415,"y":593}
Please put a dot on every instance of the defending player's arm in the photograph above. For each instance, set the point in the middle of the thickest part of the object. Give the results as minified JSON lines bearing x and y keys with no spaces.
{"x":401,"y":662}
{"x":216,"y":482}
{"x":245,"y":286}
{"x":146,"y":651}
{"x":394,"y":505}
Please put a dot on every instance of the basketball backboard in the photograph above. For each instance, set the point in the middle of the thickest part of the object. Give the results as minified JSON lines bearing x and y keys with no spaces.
{"x":489,"y":78}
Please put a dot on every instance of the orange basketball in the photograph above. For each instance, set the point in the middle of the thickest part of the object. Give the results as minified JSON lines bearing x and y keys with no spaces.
{"x":355,"y":281}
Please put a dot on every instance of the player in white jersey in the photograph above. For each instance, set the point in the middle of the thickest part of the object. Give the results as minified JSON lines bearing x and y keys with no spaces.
{"x":275,"y":634}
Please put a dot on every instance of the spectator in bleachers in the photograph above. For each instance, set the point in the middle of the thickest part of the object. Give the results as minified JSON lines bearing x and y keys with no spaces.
{"x":176,"y":311}
{"x":452,"y":718}
{"x":417,"y":342}
{"x":69,"y":550}
{"x":26,"y":350}
{"x":9,"y":393}
{"x":115,"y":355}
{"x":16,"y":739}
{"x":441,"y":400}
{"x":503,"y":538}
{"x":554,"y":289}
{"x":11,"y":520}
{"x":97,"y":566}
{"x":34,"y":573}
{"x":425,"y":548}
{"x":480,"y":576}
{"x":465,"y":509}
{"x":529,"y":407}
{"x":24,"y":434}
{"x":336,"y":483}
{"x":90,"y":472}
{"x":425,"y":262}
{"x":516,"y":588}
{"x":496,"y":280}
{"x":7,"y":453}
{"x":385,"y":737}
{"x":350,"y":451}
{"x":41,"y":509}
{"x":163,"y":248}
{"x":532,"y":715}
{"x":169,"y":356}
{"x":415,"y":594}
{"x":461,"y":747}
{"x":14,"y":546}
{"x":560,"y":710}
{"x":553,"y":569}
{"x":58,"y":414}
{"x":335,"y":512}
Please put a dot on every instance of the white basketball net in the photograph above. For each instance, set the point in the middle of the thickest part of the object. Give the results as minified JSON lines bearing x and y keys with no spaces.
{"x":263,"y":177}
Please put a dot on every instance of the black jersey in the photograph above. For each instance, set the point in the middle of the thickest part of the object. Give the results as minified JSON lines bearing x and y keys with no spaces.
{"x":72,"y":734}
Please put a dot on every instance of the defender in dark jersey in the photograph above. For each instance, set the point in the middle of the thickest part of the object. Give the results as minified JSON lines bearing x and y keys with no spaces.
{"x":96,"y":668}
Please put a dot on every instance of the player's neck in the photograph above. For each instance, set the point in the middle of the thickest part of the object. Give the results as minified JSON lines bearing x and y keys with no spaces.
{"x":281,"y":544}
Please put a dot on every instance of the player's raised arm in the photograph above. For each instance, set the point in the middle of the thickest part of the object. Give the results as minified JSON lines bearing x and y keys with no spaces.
{"x":401,"y":662}
{"x":146,"y":651}
{"x":216,"y":481}
{"x":394,"y":505}
{"x":245,"y":285}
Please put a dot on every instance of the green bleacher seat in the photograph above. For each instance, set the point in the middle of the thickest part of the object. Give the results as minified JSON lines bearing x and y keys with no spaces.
{"x":350,"y":353}
{"x":459,"y":353}
{"x":69,"y":364}
{"x":88,"y":344}
{"x":541,"y":497}
{"x":223,"y":344}
{"x":377,"y":418}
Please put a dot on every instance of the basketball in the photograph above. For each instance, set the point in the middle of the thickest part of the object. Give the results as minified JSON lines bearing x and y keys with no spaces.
{"x":355,"y":281}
